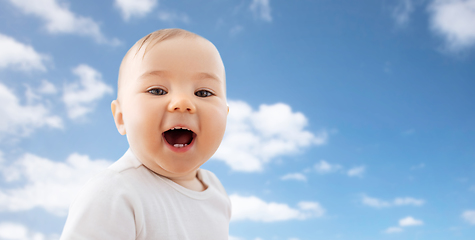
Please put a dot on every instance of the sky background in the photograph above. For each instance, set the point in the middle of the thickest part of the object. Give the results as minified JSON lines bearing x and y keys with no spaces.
{"x":348,"y":119}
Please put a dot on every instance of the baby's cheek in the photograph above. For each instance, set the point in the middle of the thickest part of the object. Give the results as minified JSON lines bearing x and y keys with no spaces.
{"x":217,"y":126}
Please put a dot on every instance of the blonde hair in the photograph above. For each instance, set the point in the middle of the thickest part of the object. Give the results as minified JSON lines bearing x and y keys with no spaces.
{"x":149,"y":42}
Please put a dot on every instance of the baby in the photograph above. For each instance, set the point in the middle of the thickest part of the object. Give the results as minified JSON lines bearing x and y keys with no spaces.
{"x":171,"y":105}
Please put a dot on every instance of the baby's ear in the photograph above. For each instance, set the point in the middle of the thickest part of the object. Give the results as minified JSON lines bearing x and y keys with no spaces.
{"x":118,"y":119}
{"x":228,"y":109}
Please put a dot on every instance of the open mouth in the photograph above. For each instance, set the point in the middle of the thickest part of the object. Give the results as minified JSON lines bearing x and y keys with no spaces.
{"x":179,"y":137}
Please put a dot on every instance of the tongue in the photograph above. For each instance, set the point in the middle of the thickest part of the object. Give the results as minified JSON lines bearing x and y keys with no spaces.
{"x":178,"y":136}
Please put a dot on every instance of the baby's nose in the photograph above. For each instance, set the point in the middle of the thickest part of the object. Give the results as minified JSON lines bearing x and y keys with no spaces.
{"x":181,"y":104}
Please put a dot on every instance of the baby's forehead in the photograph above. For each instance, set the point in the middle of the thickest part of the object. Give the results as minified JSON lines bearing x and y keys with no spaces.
{"x":134,"y":61}
{"x":194,"y":49}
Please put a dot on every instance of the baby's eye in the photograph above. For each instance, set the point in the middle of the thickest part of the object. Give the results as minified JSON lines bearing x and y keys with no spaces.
{"x":203,"y":93}
{"x":157,"y":91}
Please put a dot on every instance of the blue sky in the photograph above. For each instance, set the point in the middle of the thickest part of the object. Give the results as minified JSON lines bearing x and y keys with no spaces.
{"x":349,"y":120}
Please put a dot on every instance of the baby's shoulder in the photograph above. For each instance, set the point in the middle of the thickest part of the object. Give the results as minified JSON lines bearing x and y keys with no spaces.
{"x":121,"y":171}
{"x":210,"y":178}
{"x":117,"y":180}
{"x":126,"y":163}
{"x":107,"y":184}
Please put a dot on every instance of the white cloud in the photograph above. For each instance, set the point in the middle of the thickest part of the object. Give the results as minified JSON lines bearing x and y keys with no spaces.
{"x":294,"y":176}
{"x":393,"y":230}
{"x":325,"y":167}
{"x":15,"y":231}
{"x":374,"y":202}
{"x":254,"y":138}
{"x":172,"y":17}
{"x":255,"y":209}
{"x":47,"y":184}
{"x":408,"y":201}
{"x":356,"y":171}
{"x":16,"y":55}
{"x":80,"y":97}
{"x":20,"y":120}
{"x":59,"y":19}
{"x":420,"y":166}
{"x":469,"y":216}
{"x":410,"y":221}
{"x":135,"y":8}
{"x":236,"y":30}
{"x":35,"y":94}
{"x":400,"y":201}
{"x":401,"y":13}
{"x":47,"y":87}
{"x":453,"y":21}
{"x":404,"y":222}
{"x":261,"y":9}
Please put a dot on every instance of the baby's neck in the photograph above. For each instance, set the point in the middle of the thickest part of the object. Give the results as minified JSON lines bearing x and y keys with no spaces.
{"x":192,"y":183}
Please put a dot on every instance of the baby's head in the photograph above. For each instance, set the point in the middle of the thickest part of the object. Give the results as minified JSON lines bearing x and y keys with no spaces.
{"x":171,"y":101}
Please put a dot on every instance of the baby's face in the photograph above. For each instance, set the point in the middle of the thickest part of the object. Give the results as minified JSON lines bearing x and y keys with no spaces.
{"x":173,"y":105}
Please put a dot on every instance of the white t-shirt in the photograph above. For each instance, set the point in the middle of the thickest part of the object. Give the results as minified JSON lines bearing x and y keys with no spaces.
{"x":128,"y":201}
